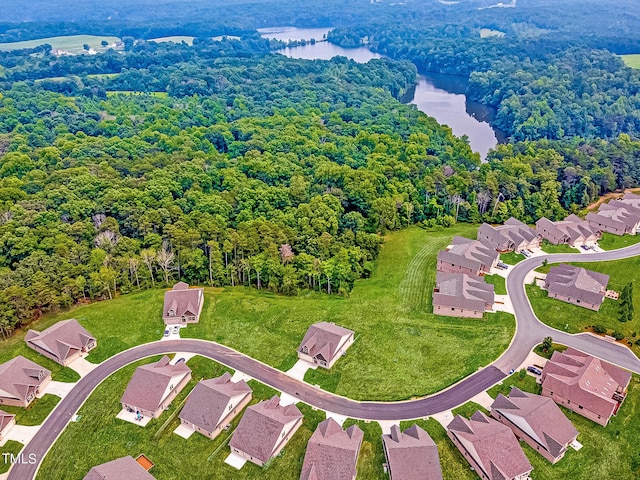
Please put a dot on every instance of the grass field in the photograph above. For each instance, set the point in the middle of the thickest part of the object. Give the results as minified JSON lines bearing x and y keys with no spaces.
{"x":36,"y":412}
{"x":520,"y":380}
{"x":175,"y":39}
{"x":500,"y":287}
{"x":550,"y":248}
{"x":511,"y":258}
{"x":632,"y":60}
{"x":10,"y":447}
{"x":611,"y":242}
{"x":70,"y":43}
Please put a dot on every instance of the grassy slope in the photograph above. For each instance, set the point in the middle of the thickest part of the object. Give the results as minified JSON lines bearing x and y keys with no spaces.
{"x":632,"y":60}
{"x":611,"y":242}
{"x":175,"y":39}
{"x":69,"y":42}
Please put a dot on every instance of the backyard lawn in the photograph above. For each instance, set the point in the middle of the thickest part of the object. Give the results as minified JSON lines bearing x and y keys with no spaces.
{"x":511,"y":258}
{"x":10,"y":447}
{"x":500,"y":287}
{"x":611,"y":242}
{"x":36,"y":412}
{"x":550,"y":248}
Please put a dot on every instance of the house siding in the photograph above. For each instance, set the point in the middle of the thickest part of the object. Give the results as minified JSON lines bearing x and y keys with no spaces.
{"x":456,"y":312}
{"x":64,"y":362}
{"x":575,"y":301}
{"x":6,"y":429}
{"x":468,"y":457}
{"x":575,"y":407}
{"x":449,"y":267}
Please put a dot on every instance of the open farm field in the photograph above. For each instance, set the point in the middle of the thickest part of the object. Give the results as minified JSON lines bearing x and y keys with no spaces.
{"x":70,"y":43}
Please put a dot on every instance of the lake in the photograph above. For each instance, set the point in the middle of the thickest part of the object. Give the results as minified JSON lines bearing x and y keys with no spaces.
{"x":439,"y":96}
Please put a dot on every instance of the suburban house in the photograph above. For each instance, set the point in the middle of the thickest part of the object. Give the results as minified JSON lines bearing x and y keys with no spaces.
{"x":571,"y":231}
{"x":324,"y":343}
{"x":460,"y":295}
{"x":21,"y":380}
{"x":615,"y":218}
{"x":411,"y":455}
{"x":489,"y":447}
{"x":182,"y":304}
{"x":62,"y":342}
{"x":584,"y":384}
{"x":332,"y":453}
{"x":7,"y":421}
{"x":264,"y":430}
{"x":512,"y":235}
{"x":467,"y":256}
{"x":118,"y":469}
{"x":577,"y":285}
{"x":537,"y":420}
{"x":213,"y":403}
{"x":154,"y":386}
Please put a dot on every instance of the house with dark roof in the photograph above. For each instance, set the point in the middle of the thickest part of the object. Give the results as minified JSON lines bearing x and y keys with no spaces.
{"x":467,"y":256}
{"x":489,"y":447}
{"x":324,"y":343}
{"x":572,"y":231}
{"x":62,"y":342}
{"x":154,"y":386}
{"x":512,"y":235}
{"x":411,"y":455}
{"x":332,"y":453}
{"x":577,"y":285}
{"x":213,"y":404}
{"x":119,"y":469}
{"x":264,"y":430}
{"x":7,"y":421}
{"x":616,"y":217}
{"x":21,"y":380}
{"x":537,"y":420}
{"x":460,"y":295}
{"x":182,"y":305}
{"x":584,"y":384}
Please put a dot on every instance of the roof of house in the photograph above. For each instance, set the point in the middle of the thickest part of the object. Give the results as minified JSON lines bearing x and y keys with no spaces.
{"x":324,"y":339}
{"x":630,"y":205}
{"x":207,"y":404}
{"x":119,"y":469}
{"x":332,"y":453}
{"x":585,"y":380}
{"x":539,"y":417}
{"x":620,"y":211}
{"x":468,"y":253}
{"x":182,"y":300}
{"x":258,"y":432}
{"x":492,"y":445}
{"x":148,"y":386}
{"x":412,"y":454}
{"x":5,"y":419}
{"x":517,"y":231}
{"x":577,"y":282}
{"x":494,"y":238}
{"x":573,"y":227}
{"x":609,"y":218}
{"x":19,"y":378}
{"x":62,"y":339}
{"x":459,"y":290}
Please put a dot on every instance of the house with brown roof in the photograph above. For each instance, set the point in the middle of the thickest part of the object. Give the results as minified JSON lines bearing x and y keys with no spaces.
{"x":7,"y":421}
{"x":577,"y":285}
{"x":264,"y":430}
{"x":332,"y":453}
{"x":154,"y":386}
{"x":213,"y":404}
{"x":324,"y":343}
{"x":411,"y":455}
{"x":489,"y":447}
{"x":512,"y":235}
{"x":119,"y":469}
{"x":182,"y":305}
{"x":571,"y":231}
{"x":21,"y":380}
{"x":584,"y":384}
{"x":467,"y":256}
{"x":616,"y":217}
{"x":460,"y":295}
{"x":62,"y":342}
{"x":537,"y":420}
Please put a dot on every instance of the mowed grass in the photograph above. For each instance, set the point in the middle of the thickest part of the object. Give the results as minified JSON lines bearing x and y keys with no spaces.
{"x":175,"y":39}
{"x":550,"y":248}
{"x":72,"y":43}
{"x":12,"y":448}
{"x":610,"y":241}
{"x":631,"y":60}
{"x":520,"y":380}
{"x":36,"y":412}
{"x":500,"y":287}
{"x":511,"y":258}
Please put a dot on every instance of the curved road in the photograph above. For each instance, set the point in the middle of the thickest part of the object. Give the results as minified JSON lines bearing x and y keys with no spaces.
{"x":530,"y":332}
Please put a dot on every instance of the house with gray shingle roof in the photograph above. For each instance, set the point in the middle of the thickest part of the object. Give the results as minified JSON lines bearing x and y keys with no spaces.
{"x":467,"y":256}
{"x":537,"y":420}
{"x":62,"y":342}
{"x":577,"y":285}
{"x":512,"y":235}
{"x":7,"y":421}
{"x":490,"y":447}
{"x":572,"y":231}
{"x":21,"y":380}
{"x":324,"y":343}
{"x":460,"y":295}
{"x":182,"y":304}
{"x":154,"y":386}
{"x":264,"y":430}
{"x":119,"y":469}
{"x":617,"y":217}
{"x":411,"y":455}
{"x":584,"y":384}
{"x":213,"y":404}
{"x":332,"y":453}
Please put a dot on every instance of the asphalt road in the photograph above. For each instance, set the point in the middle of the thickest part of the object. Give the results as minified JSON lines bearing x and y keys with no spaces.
{"x":530,"y":332}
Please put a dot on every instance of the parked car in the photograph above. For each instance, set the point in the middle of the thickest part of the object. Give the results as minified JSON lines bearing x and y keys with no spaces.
{"x":502,"y":265}
{"x":525,"y":253}
{"x":584,"y":247}
{"x":176,"y":328}
{"x":534,"y":370}
{"x":166,"y":332}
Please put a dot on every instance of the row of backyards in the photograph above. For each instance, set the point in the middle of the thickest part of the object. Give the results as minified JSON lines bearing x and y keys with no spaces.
{"x":401,"y":350}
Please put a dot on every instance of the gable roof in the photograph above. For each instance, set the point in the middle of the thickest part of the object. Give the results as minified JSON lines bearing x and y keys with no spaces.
{"x":19,"y":378}
{"x":147,"y":387}
{"x":492,"y":445}
{"x":412,"y":454}
{"x":324,"y":339}
{"x":577,"y":282}
{"x":468,"y":253}
{"x":539,"y":417}
{"x":62,"y":339}
{"x":207,"y":403}
{"x":258,"y":432}
{"x":573,"y":228}
{"x":494,"y":238}
{"x":119,"y":469}
{"x":182,"y":300}
{"x":332,"y":453}
{"x":5,"y":419}
{"x":459,"y":290}
{"x":617,"y":219}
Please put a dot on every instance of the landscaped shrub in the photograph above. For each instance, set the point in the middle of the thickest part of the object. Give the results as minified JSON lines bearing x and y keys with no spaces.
{"x":617,"y":335}
{"x":599,"y":329}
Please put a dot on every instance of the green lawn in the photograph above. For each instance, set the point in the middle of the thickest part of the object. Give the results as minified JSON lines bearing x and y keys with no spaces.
{"x":511,"y":258}
{"x":175,"y":39}
{"x":36,"y":412}
{"x":555,"y":347}
{"x":500,"y":287}
{"x":632,"y":60}
{"x":72,"y":43}
{"x":550,"y":248}
{"x":371,"y":455}
{"x":11,"y":447}
{"x":468,"y":409}
{"x":611,"y":242}
{"x":520,"y":380}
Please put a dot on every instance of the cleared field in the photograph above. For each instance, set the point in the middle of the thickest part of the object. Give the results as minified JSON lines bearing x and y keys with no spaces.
{"x":632,"y":60}
{"x":70,"y":43}
{"x":612,"y":242}
{"x":175,"y":39}
{"x":489,"y":33}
